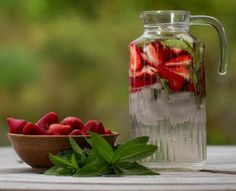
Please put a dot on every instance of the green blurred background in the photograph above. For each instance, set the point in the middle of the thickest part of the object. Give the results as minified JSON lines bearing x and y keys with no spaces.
{"x":71,"y":57}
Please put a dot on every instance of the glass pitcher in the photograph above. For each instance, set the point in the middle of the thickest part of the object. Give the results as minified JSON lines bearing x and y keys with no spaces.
{"x":167,"y":87}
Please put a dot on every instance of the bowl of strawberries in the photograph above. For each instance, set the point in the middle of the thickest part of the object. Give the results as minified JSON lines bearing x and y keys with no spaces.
{"x":34,"y":141}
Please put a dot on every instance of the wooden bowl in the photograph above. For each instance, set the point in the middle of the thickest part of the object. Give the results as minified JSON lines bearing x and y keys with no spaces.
{"x":34,"y":149}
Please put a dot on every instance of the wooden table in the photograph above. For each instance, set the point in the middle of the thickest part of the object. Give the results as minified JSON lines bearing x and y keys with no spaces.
{"x":219,"y":174}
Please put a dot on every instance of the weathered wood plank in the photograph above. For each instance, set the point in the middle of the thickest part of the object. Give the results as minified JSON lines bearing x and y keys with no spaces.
{"x":18,"y":176}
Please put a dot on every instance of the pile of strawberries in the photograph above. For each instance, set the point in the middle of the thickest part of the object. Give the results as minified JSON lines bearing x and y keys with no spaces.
{"x":49,"y":125}
{"x":151,"y":62}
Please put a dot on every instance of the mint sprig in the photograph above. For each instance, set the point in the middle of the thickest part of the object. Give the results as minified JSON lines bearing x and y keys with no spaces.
{"x":102,"y":159}
{"x":179,"y":43}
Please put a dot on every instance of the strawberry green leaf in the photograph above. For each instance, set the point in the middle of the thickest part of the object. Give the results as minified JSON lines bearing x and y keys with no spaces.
{"x":102,"y":149}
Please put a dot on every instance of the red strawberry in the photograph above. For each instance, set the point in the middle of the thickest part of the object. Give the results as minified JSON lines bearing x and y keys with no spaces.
{"x":135,"y":58}
{"x":15,"y":125}
{"x":176,"y":82}
{"x":191,"y":87}
{"x":47,"y":120}
{"x":32,"y":129}
{"x":154,"y":53}
{"x":147,"y":76}
{"x":76,"y":132}
{"x":182,"y":60}
{"x":108,"y":131}
{"x":59,"y":129}
{"x":94,"y":126}
{"x":74,"y":122}
{"x":181,"y":70}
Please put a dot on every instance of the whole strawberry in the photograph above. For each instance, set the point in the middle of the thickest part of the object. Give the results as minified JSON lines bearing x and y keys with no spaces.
{"x":15,"y":125}
{"x":94,"y":126}
{"x":76,"y":132}
{"x":59,"y":129}
{"x":32,"y":129}
{"x":108,"y":131}
{"x":47,"y":120}
{"x":74,"y":122}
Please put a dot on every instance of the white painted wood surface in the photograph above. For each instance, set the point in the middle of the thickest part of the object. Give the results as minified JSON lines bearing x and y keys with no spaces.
{"x":219,"y":174}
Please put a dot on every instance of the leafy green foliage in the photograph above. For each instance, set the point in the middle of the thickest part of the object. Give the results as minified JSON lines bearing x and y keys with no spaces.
{"x":102,"y":159}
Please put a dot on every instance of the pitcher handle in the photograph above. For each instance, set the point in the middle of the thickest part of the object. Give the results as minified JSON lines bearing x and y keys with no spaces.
{"x":212,"y":21}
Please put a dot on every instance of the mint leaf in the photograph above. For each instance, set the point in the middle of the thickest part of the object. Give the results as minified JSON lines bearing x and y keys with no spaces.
{"x":178,"y":43}
{"x":75,"y":146}
{"x":52,"y":171}
{"x":101,"y":159}
{"x":135,"y":152}
{"x":96,"y":168}
{"x":59,"y":171}
{"x":138,"y":140}
{"x":77,"y":149}
{"x":59,"y":161}
{"x":133,"y":168}
{"x":101,"y":147}
{"x":90,"y":158}
{"x":66,"y":154}
{"x":122,"y":147}
{"x":74,"y":161}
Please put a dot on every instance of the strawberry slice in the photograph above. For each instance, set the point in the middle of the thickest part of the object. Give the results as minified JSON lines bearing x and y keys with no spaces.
{"x":15,"y":125}
{"x":32,"y":129}
{"x":173,"y":52}
{"x":74,"y":122}
{"x":59,"y":129}
{"x":147,"y":76}
{"x":190,"y":87}
{"x":47,"y":120}
{"x":182,"y":60}
{"x":175,"y":81}
{"x":181,"y":70}
{"x":76,"y":132}
{"x":154,"y":53}
{"x":94,"y":126}
{"x":135,"y":58}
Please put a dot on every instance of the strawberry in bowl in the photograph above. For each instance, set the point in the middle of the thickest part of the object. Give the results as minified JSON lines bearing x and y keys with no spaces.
{"x":50,"y":125}
{"x":34,"y":141}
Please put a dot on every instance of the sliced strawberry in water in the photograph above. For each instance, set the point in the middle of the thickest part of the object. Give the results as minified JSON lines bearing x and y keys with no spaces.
{"x":190,"y":87}
{"x":32,"y":129}
{"x":175,"y":81}
{"x":135,"y":58}
{"x":47,"y":120}
{"x":15,"y":125}
{"x":172,"y":52}
{"x":154,"y":53}
{"x":182,"y":60}
{"x":181,"y":70}
{"x":147,"y":76}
